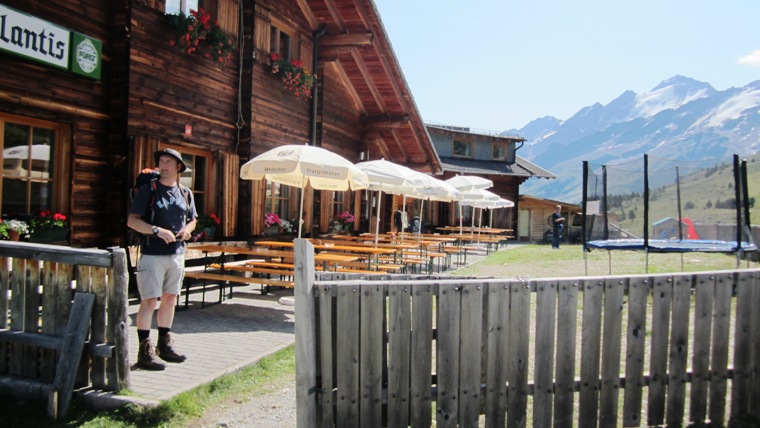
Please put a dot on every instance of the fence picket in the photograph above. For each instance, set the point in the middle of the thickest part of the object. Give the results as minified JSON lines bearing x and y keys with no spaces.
{"x":519,"y":349}
{"x":50,"y":296}
{"x":471,"y":350}
{"x":700,"y":366}
{"x":591,"y":335}
{"x":422,"y":350}
{"x":347,"y":354}
{"x":719,"y":357}
{"x":638,"y":291}
{"x":546,"y":305}
{"x":742,"y":350}
{"x":567,"y":325}
{"x":371,"y":350}
{"x":5,"y":286}
{"x":679,"y":350}
{"x":98,"y":329}
{"x":448,"y":355}
{"x":31,"y":316}
{"x":327,"y":331}
{"x":399,"y":357}
{"x":658,"y":356}
{"x":614,"y":289}
{"x":754,"y":366}
{"x":496,"y":367}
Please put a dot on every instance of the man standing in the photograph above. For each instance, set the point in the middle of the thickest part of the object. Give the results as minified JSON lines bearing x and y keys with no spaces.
{"x":557,"y":221}
{"x":164,"y":213}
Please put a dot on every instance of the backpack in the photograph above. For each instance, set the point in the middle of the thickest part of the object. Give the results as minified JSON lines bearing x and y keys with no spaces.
{"x":150,"y":176}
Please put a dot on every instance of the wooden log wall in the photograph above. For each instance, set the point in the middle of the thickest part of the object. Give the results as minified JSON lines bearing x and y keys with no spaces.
{"x":40,"y":92}
{"x":649,"y":344}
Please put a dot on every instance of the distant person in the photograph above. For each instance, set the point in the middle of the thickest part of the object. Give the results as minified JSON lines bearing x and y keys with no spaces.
{"x":164,"y":213}
{"x":558,"y":223}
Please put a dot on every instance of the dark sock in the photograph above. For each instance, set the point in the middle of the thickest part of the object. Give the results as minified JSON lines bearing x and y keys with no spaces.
{"x":142,"y":335}
{"x":162,"y":331}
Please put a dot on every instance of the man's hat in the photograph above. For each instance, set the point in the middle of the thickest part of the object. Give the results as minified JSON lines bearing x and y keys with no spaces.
{"x":173,"y":153}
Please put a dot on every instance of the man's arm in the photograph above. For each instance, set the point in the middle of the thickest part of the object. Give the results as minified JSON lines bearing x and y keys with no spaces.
{"x":136,"y":223}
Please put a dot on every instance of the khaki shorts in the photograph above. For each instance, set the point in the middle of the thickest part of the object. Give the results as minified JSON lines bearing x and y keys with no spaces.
{"x":159,"y":274}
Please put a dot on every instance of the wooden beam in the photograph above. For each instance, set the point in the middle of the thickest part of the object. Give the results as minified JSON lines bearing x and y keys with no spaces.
{"x":307,"y":13}
{"x":358,"y":39}
{"x":368,"y":80}
{"x":384,"y":121}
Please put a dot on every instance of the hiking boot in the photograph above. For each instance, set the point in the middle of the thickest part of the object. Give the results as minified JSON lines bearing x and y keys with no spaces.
{"x":146,"y":357}
{"x":165,"y":349}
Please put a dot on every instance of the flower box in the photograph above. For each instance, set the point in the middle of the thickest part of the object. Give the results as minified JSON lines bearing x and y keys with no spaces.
{"x":49,"y":235}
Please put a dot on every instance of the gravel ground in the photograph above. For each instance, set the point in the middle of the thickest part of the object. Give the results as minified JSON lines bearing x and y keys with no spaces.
{"x":274,"y":409}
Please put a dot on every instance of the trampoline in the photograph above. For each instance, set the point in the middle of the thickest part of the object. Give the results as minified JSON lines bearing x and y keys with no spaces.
{"x":667,"y":206}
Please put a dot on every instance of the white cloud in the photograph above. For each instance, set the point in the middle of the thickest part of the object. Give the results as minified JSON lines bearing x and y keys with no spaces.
{"x":752,"y":59}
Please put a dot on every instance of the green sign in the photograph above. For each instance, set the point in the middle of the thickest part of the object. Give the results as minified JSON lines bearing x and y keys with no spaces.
{"x":86,"y":55}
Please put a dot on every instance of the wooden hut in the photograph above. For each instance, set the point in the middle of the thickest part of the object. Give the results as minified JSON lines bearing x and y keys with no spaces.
{"x":152,"y":91}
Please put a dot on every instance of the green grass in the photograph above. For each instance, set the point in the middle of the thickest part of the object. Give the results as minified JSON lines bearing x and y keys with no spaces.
{"x":540,"y":261}
{"x":177,"y":412}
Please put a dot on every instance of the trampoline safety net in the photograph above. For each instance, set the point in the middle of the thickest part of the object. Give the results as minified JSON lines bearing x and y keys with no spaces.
{"x":667,"y":205}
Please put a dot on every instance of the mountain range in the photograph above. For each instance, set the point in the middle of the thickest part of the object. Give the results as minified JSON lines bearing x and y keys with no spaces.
{"x":681,"y":118}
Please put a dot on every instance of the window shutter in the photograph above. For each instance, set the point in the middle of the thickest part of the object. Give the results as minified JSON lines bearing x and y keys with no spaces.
{"x":231,"y":178}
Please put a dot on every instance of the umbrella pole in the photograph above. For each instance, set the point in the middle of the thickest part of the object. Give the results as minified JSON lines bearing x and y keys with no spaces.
{"x":460,"y":218}
{"x":377,"y":220}
{"x":300,"y":212}
{"x":422,"y":205}
{"x":403,"y":209}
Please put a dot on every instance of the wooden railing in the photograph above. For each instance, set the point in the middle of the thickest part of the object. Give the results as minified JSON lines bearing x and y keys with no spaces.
{"x":597,"y":351}
{"x":37,"y":288}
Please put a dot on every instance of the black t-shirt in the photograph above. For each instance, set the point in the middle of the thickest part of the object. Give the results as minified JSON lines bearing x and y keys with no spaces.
{"x":170,"y":211}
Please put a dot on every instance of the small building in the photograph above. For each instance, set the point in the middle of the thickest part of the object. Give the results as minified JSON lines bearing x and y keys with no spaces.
{"x":534,"y":224}
{"x":469,"y":151}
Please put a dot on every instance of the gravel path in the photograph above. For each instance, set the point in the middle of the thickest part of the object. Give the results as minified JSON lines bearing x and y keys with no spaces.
{"x":274,"y":409}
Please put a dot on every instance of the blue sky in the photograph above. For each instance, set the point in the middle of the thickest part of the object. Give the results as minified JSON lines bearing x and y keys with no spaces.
{"x":498,"y":64}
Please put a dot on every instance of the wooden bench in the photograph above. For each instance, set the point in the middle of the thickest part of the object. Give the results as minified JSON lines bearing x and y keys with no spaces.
{"x":71,"y":347}
{"x":222,"y":280}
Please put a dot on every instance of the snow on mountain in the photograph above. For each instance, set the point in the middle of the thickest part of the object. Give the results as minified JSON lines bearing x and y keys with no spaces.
{"x":681,"y":118}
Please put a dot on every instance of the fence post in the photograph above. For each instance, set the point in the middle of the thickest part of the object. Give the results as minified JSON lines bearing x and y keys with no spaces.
{"x":306,"y":344}
{"x":118,"y":374}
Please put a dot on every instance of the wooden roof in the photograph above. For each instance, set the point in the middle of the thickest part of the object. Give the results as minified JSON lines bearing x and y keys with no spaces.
{"x":357,"y":42}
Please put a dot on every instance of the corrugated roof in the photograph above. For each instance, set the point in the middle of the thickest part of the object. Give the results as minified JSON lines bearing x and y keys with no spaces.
{"x":521,"y":168}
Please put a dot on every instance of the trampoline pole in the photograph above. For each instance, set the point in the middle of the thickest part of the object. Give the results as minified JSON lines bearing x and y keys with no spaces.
{"x":646,"y":260}
{"x":646,"y":205}
{"x":584,"y":212}
{"x":678,"y":205}
{"x":738,"y":193}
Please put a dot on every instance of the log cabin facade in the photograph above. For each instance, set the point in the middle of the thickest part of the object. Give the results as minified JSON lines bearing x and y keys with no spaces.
{"x":100,"y":132}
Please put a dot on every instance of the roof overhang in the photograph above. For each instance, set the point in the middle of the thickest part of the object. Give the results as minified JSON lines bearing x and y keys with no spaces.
{"x":391,"y":125}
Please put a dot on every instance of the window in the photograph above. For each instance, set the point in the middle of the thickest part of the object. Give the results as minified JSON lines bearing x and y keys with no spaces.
{"x":195,"y":176}
{"x":462,"y":149}
{"x":279,"y":42}
{"x":339,"y":203}
{"x":278,"y":200}
{"x":498,"y":151}
{"x":184,"y":6}
{"x":32,"y":174}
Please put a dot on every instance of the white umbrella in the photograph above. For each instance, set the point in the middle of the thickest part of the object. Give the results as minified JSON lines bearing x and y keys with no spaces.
{"x":468,"y":184}
{"x":297,"y":166}
{"x":434,"y":189}
{"x":389,"y":177}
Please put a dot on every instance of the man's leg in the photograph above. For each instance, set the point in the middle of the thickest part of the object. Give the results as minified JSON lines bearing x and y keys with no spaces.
{"x":165,"y":317}
{"x":147,"y":276}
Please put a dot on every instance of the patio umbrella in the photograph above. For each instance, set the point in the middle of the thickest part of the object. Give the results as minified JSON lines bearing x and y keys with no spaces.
{"x":468,"y":184}
{"x":389,"y":177}
{"x":434,"y":189}
{"x":299,"y":166}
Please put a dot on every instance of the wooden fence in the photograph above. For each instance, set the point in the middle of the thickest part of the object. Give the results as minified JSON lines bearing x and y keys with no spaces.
{"x":596,"y":351}
{"x":37,"y":287}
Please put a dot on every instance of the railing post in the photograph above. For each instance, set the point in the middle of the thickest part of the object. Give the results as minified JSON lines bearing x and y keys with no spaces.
{"x":118,"y":374}
{"x":306,"y":343}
